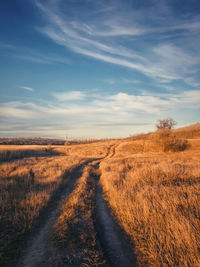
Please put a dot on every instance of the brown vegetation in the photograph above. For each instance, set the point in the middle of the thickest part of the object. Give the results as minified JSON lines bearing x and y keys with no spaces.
{"x":167,"y":141}
{"x":31,"y":141}
{"x":8,"y":153}
{"x":190,"y":132}
{"x":93,"y":150}
{"x":26,"y":186}
{"x":155,"y":198}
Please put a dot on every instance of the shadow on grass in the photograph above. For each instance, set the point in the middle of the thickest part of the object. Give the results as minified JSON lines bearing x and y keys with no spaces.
{"x":11,"y":155}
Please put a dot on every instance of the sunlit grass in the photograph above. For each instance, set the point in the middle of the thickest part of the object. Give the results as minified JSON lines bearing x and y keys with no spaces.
{"x":155,"y":198}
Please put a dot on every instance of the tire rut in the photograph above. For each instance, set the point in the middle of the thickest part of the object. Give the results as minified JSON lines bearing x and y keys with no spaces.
{"x":113,"y":242}
{"x":111,"y":151}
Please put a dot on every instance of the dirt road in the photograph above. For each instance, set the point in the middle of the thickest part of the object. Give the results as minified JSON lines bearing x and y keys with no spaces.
{"x":111,"y":242}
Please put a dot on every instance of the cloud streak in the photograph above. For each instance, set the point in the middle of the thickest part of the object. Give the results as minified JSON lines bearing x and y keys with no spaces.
{"x":163,"y":61}
{"x":27,"y":88}
{"x":66,"y":96}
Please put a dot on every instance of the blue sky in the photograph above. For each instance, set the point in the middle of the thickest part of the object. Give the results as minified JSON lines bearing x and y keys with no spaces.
{"x":93,"y":69}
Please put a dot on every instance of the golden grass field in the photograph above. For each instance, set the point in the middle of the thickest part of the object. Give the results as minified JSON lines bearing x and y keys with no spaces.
{"x":154,"y":196}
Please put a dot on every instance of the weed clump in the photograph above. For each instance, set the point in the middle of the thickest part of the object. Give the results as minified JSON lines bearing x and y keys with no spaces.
{"x":168,"y":141}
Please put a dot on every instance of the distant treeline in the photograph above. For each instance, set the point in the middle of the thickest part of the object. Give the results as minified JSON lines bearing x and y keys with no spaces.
{"x":31,"y":141}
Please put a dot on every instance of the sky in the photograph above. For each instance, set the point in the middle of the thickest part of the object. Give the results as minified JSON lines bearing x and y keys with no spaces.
{"x":97,"y":68}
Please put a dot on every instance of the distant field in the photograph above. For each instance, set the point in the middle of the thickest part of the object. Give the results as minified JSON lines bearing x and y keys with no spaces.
{"x":12,"y":152}
{"x":21,"y":147}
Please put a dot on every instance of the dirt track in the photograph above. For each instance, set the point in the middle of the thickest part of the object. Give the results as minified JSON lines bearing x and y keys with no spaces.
{"x":37,"y":244}
{"x":111,"y":242}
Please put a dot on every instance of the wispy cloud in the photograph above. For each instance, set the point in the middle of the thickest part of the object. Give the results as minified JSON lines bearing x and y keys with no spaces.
{"x":72,"y":95}
{"x":18,"y":110}
{"x":113,"y":111}
{"x":191,"y":97}
{"x":27,"y":88}
{"x":164,"y":61}
{"x":120,"y":106}
{"x":111,"y":124}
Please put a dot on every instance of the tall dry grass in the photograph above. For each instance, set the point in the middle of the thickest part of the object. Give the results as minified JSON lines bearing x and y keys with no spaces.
{"x":92,"y":150}
{"x":192,"y":131}
{"x":8,"y":153}
{"x":155,"y":198}
{"x":26,"y":187}
{"x":168,"y":141}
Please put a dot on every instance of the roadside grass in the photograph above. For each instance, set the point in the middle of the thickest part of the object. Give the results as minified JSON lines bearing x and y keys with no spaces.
{"x":26,"y":187}
{"x":155,"y":198}
{"x":74,"y":230}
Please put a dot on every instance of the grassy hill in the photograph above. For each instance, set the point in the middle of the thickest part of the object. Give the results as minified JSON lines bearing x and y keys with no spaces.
{"x":191,"y":131}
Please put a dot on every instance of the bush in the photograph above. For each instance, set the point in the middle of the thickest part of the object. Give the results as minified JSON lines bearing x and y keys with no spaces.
{"x":166,"y":124}
{"x":169,"y":142}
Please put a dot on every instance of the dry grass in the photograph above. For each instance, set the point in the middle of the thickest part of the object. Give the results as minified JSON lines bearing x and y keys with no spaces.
{"x":192,"y":131}
{"x":155,"y":197}
{"x":8,"y":153}
{"x":150,"y":147}
{"x":21,"y":147}
{"x":26,"y":186}
{"x":74,"y":229}
{"x":93,"y":150}
{"x":168,"y":141}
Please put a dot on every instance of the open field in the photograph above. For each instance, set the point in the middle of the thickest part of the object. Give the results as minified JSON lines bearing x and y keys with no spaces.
{"x":109,"y":203}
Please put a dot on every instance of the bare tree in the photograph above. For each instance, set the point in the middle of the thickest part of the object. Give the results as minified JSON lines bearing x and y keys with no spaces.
{"x":166,"y":124}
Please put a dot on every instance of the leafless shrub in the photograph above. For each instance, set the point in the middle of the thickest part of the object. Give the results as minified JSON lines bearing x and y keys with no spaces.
{"x":166,"y":124}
